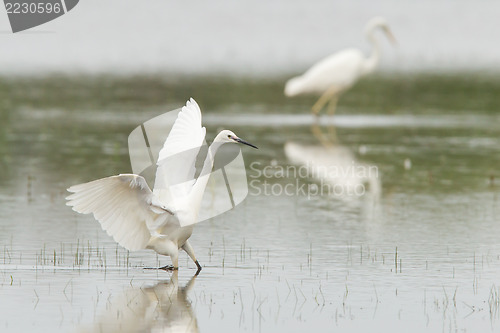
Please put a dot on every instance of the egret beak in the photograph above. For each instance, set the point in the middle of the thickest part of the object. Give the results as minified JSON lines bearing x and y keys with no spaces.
{"x":391,"y":37}
{"x":245,"y":143}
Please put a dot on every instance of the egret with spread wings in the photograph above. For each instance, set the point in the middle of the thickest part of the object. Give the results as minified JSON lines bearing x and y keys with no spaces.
{"x":162,"y":220}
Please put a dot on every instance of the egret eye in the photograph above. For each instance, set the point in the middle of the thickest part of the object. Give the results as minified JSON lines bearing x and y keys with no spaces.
{"x":229,"y":136}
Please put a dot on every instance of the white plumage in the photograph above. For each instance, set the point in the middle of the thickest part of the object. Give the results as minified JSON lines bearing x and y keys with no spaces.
{"x":176,"y":161}
{"x":121,"y":204}
{"x":340,"y":71}
{"x":162,"y":219}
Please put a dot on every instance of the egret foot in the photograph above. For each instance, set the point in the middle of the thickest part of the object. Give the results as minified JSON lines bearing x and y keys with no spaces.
{"x":199,"y":267}
{"x":169,"y":268}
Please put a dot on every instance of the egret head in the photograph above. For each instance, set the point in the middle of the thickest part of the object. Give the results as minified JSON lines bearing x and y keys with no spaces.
{"x":380,"y":23}
{"x":227,"y":136}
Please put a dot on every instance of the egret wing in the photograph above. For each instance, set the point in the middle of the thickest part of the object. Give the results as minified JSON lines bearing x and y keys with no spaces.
{"x":122,"y":204}
{"x":176,"y":161}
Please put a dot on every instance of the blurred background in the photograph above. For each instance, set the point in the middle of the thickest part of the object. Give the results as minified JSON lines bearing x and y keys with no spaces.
{"x":418,"y":252}
{"x":254,"y":38}
{"x":161,"y":52}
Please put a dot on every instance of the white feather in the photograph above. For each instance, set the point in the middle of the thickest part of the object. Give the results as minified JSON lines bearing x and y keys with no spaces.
{"x":121,"y":204}
{"x":340,"y":71}
{"x":176,"y":161}
{"x":162,"y":219}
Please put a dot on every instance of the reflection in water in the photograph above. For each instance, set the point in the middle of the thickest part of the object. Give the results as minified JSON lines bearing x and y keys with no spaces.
{"x":336,"y":169}
{"x":163,"y":307}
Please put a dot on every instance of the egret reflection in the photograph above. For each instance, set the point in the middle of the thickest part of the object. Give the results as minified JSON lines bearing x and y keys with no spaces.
{"x":163,"y":307}
{"x":336,"y":169}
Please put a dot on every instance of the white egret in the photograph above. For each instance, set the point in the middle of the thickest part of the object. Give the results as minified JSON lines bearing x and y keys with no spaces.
{"x":339,"y":71}
{"x":162,"y":220}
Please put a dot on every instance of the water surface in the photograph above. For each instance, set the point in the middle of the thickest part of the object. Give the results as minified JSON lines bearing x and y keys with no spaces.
{"x":421,"y":255}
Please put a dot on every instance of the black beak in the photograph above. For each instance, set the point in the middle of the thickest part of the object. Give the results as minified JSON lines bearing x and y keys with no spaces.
{"x":245,"y":143}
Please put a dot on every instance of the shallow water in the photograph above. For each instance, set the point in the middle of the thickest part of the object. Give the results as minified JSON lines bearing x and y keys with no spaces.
{"x":420,"y":254}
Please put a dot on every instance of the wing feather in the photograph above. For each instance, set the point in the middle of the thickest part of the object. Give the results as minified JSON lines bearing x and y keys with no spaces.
{"x":176,"y":161}
{"x":125,"y":206}
{"x":121,"y":204}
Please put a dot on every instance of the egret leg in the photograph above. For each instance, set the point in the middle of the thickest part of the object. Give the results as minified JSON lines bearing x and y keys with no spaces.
{"x":316,"y":128}
{"x":166,"y":247}
{"x":329,"y":95}
{"x":318,"y":133}
{"x":175,"y":263}
{"x":332,"y":106}
{"x":189,"y":250}
{"x":320,"y":103}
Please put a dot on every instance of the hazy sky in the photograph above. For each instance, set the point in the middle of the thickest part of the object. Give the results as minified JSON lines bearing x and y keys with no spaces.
{"x":258,"y":37}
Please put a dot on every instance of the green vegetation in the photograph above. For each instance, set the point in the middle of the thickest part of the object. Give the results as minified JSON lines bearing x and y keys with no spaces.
{"x":397,"y":93}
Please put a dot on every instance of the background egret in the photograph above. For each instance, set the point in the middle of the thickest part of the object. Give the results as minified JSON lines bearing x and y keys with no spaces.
{"x":162,"y":219}
{"x":339,"y":71}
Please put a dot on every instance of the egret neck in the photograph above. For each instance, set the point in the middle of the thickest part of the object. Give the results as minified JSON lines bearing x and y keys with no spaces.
{"x":372,"y":61}
{"x":196,"y":194}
